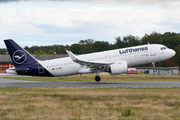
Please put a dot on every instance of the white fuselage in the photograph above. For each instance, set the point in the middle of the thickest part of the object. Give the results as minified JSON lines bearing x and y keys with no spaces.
{"x":137,"y":55}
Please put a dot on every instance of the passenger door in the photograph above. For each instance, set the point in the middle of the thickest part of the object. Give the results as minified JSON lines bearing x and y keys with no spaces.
{"x":152,"y":50}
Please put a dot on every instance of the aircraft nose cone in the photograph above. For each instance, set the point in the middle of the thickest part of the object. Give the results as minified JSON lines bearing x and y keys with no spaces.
{"x":172,"y":53}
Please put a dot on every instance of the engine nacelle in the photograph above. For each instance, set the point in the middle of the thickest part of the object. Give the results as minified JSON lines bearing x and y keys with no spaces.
{"x":118,"y":68}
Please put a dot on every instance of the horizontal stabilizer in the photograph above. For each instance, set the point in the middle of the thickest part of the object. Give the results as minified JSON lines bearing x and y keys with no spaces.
{"x":20,"y":69}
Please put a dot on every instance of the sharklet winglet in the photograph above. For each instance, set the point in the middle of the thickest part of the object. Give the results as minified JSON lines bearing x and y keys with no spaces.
{"x":71,"y":55}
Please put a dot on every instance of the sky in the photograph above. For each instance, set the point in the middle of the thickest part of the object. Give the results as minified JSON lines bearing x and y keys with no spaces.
{"x":49,"y":22}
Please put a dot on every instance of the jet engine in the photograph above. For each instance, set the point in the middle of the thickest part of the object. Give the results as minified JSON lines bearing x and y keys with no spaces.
{"x":118,"y":68}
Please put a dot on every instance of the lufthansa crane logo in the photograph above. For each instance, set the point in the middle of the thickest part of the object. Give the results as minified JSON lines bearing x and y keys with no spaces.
{"x":19,"y":57}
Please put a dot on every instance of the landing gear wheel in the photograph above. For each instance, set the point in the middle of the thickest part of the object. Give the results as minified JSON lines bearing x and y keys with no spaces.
{"x":97,"y":78}
{"x":154,"y":70}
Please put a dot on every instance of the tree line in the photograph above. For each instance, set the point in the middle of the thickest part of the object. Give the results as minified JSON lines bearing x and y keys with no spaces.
{"x":169,"y":39}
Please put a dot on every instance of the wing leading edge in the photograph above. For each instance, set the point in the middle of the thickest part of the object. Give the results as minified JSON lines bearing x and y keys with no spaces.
{"x":89,"y":67}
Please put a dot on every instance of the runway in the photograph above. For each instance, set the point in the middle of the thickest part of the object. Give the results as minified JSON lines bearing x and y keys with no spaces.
{"x":22,"y":83}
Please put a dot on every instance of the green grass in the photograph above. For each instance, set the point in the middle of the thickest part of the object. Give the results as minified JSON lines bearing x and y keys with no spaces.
{"x":104,"y":78}
{"x":127,"y":112}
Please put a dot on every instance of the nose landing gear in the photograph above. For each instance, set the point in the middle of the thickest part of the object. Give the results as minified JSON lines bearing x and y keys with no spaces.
{"x":154,"y":67}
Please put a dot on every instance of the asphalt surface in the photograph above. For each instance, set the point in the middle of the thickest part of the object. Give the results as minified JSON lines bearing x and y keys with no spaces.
{"x":23,"y":83}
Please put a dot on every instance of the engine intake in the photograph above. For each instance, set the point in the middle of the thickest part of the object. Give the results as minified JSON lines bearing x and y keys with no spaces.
{"x":118,"y":68}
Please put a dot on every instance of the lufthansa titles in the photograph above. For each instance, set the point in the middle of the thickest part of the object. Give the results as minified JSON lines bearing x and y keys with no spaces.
{"x":131,"y":50}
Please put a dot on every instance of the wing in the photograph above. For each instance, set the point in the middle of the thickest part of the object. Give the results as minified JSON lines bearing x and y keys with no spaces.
{"x":90,"y":66}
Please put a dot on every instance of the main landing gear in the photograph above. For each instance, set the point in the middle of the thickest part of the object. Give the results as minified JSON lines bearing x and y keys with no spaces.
{"x":154,"y":67}
{"x":97,"y":78}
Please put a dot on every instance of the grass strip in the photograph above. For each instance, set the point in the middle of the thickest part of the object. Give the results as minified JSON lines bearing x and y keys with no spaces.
{"x":89,"y":103}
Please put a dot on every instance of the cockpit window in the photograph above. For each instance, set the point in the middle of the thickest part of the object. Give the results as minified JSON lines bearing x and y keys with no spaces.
{"x":163,"y":48}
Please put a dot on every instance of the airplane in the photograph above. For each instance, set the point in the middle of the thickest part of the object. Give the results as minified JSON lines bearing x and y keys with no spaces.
{"x":113,"y":61}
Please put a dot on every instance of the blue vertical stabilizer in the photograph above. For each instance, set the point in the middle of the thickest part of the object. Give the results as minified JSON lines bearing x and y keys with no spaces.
{"x":24,"y":63}
{"x":18,"y":55}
